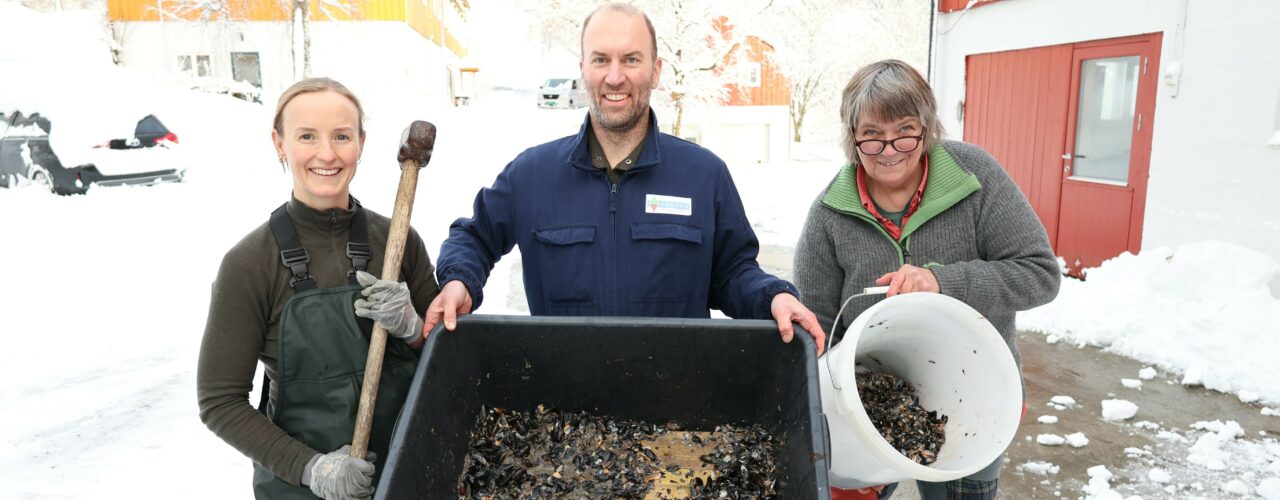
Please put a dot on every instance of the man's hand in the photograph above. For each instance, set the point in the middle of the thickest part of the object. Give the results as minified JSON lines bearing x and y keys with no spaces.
{"x":454,"y":300}
{"x":338,"y":475}
{"x":787,"y":310}
{"x":909,"y":278}
{"x":388,"y":303}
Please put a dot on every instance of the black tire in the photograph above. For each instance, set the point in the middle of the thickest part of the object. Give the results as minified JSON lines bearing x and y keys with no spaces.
{"x":42,"y":178}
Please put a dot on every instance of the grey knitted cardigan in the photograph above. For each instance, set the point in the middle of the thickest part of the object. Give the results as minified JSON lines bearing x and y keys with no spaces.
{"x":973,"y":228}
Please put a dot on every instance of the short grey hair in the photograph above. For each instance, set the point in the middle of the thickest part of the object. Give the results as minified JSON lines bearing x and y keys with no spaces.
{"x":888,"y":90}
{"x":624,"y":8}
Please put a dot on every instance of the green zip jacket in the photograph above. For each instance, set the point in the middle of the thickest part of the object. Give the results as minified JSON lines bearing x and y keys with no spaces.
{"x":244,"y":313}
{"x":974,"y":229}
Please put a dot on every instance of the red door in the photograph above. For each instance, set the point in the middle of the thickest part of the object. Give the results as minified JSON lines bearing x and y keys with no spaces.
{"x":1108,"y":149}
{"x":1072,"y":126}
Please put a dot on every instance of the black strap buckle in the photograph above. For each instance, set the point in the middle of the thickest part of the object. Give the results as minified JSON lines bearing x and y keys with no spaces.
{"x":359,"y":253}
{"x":296,"y":260}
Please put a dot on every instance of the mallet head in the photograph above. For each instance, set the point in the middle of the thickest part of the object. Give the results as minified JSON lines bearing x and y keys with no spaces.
{"x":417,"y":142}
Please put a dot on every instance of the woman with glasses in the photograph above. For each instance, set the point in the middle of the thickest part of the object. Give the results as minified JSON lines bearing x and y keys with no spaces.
{"x":920,"y":214}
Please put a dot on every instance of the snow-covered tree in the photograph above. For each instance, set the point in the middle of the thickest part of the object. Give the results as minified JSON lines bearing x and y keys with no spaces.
{"x":820,"y":43}
{"x":696,"y":41}
{"x":700,"y":50}
{"x":300,"y":14}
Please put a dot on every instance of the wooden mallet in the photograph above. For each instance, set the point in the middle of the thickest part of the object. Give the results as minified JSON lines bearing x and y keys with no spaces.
{"x":416,"y":145}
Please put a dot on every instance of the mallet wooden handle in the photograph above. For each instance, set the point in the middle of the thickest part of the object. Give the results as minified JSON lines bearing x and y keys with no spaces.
{"x":415,"y":152}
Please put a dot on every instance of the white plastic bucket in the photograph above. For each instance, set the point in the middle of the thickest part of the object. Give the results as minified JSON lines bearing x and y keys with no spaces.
{"x":960,"y":367}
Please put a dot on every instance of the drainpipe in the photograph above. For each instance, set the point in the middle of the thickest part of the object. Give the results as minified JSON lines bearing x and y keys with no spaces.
{"x":933,"y":19}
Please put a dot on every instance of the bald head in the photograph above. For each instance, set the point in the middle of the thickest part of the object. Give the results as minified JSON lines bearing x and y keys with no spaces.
{"x":622,"y":8}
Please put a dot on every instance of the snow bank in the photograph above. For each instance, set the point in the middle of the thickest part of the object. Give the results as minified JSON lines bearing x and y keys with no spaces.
{"x":1269,"y":489}
{"x":1175,"y":308}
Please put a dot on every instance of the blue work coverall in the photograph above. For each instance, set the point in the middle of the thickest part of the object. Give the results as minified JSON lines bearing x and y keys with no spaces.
{"x":669,"y":239}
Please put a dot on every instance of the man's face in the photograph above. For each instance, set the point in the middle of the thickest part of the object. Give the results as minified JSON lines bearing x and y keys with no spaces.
{"x":619,"y":69}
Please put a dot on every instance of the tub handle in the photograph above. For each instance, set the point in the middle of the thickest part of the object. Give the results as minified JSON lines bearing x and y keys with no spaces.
{"x":875,"y":290}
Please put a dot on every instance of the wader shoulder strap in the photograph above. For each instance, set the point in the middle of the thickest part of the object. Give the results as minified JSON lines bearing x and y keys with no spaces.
{"x":294,"y":257}
{"x":358,"y":249}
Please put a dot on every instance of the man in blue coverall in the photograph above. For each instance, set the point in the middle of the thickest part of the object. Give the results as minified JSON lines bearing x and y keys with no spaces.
{"x":618,"y":220}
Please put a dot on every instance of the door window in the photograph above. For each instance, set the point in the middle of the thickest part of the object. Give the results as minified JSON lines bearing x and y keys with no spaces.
{"x":1104,"y":121}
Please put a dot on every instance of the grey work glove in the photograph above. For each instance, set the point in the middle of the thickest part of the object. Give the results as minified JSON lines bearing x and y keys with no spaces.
{"x":388,"y":303}
{"x":339,"y":476}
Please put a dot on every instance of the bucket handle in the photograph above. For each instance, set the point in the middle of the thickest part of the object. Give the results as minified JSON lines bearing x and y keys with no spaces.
{"x":875,"y":290}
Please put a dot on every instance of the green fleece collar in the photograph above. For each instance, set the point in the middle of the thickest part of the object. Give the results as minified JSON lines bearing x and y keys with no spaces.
{"x":947,"y":185}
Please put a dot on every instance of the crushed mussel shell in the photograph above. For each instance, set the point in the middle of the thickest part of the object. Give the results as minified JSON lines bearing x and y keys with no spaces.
{"x":565,"y":455}
{"x":895,"y":410}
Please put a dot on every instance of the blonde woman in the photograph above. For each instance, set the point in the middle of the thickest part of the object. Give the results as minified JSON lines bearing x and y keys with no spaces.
{"x":298,"y":293}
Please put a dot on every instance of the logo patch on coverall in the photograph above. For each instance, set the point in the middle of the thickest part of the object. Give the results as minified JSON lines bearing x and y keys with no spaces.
{"x":670,"y":205}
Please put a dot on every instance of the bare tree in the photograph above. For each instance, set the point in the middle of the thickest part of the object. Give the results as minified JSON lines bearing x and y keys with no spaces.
{"x":820,"y":43}
{"x":696,"y":40}
{"x":300,"y":14}
{"x":702,"y":50}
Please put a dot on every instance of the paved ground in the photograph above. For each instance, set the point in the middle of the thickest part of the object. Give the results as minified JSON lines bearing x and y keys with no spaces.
{"x":1088,"y":375}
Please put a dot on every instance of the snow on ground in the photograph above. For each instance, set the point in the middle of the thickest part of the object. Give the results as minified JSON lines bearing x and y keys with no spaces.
{"x":107,"y":293}
{"x":1118,"y":409}
{"x":1203,"y":310}
{"x":1041,"y":468}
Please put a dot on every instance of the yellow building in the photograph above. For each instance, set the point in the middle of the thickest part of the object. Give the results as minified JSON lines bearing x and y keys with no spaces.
{"x":403,"y":46}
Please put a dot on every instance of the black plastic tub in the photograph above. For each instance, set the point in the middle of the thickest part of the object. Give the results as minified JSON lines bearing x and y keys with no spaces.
{"x":698,"y":373}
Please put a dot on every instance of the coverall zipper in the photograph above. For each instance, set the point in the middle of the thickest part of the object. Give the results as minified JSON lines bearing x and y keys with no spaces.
{"x":613,"y":242}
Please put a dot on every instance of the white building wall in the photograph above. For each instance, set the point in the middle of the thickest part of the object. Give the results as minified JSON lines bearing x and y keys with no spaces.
{"x":154,"y":47}
{"x":354,"y":53}
{"x":748,"y":135}
{"x":1213,"y":174}
{"x":340,"y":50}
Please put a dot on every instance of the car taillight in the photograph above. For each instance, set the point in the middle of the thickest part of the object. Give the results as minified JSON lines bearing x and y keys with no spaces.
{"x":169,"y":137}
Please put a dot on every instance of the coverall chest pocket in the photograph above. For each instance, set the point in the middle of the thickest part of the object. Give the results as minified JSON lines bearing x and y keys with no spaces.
{"x":666,"y":266}
{"x":567,"y":259}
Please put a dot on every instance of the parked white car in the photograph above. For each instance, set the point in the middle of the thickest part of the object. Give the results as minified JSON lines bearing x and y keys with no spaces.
{"x":26,"y":155}
{"x":562,"y":93}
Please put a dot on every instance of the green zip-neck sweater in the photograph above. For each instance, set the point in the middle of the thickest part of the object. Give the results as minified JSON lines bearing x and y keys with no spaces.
{"x":249,"y":293}
{"x":974,"y":229}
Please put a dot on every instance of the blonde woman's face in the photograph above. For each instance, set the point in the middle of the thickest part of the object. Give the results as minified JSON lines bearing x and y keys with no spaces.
{"x":321,"y":144}
{"x":887,"y":164}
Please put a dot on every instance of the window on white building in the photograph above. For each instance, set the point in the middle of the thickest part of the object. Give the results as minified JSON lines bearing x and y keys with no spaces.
{"x":195,"y":65}
{"x":203,"y":66}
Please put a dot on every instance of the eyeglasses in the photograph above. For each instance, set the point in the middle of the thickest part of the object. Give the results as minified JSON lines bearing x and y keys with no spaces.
{"x":904,"y":144}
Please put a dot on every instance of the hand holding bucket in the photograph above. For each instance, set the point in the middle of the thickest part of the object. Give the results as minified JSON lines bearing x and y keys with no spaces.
{"x":960,"y":367}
